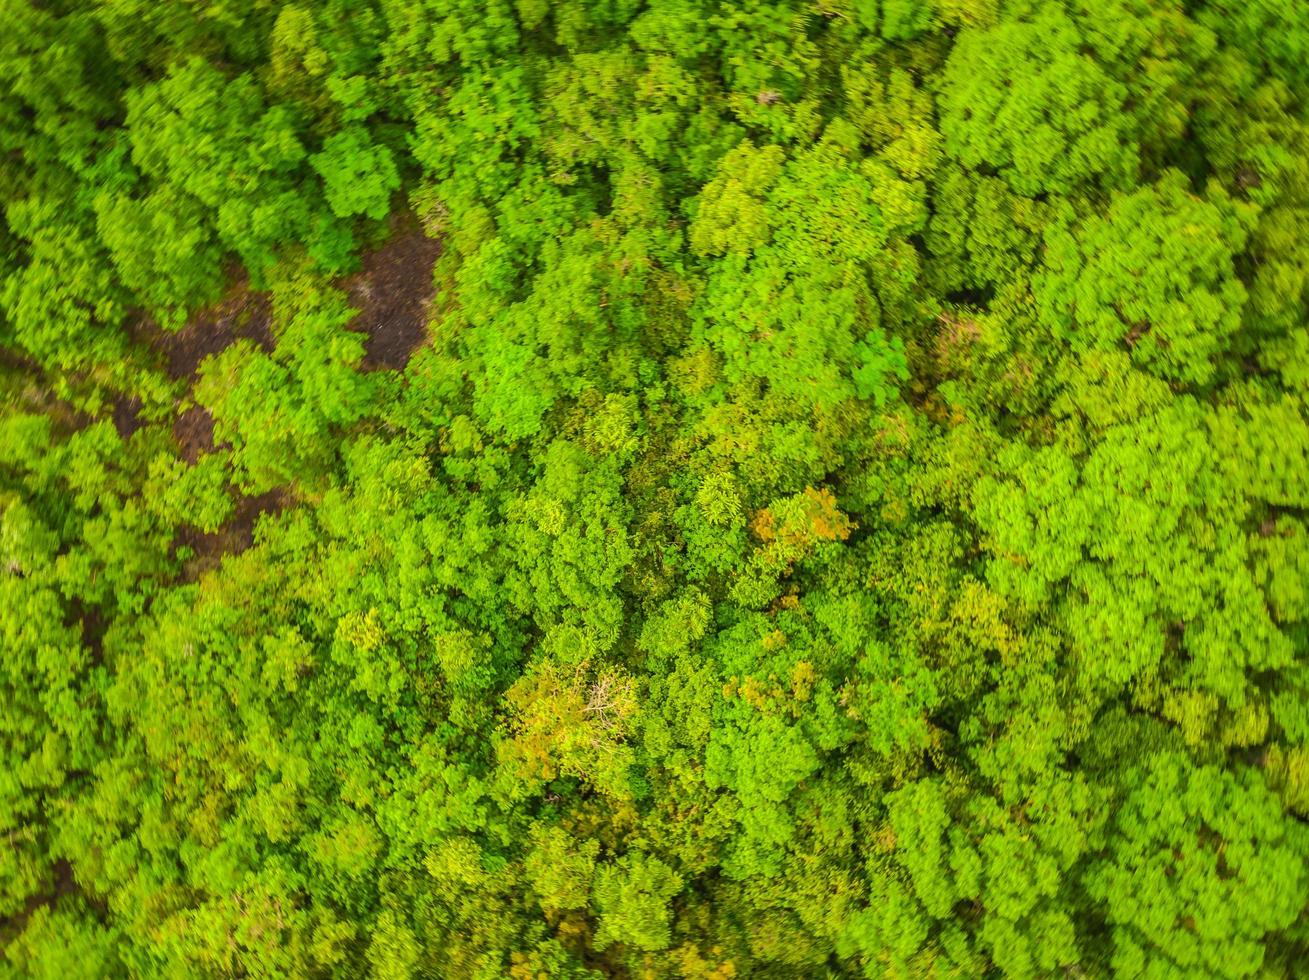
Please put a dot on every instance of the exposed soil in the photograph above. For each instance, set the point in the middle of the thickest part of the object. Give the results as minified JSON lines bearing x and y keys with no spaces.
{"x":35,"y":393}
{"x":393,"y":293}
{"x":64,"y":884}
{"x":127,"y":417}
{"x":91,"y":623}
{"x":232,"y":538}
{"x":194,"y":433}
{"x":240,"y":313}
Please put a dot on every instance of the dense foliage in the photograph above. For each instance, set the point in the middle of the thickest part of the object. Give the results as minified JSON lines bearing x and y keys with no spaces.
{"x":848,"y":514}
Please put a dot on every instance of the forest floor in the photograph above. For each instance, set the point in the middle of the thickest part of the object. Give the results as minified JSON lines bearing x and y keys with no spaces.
{"x":393,"y":292}
{"x":234,"y":537}
{"x":241,"y":313}
{"x":64,"y":884}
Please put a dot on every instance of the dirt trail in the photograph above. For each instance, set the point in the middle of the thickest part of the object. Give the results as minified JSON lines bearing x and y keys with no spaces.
{"x":239,"y":314}
{"x":234,"y":537}
{"x":63,"y":884}
{"x":393,"y":293}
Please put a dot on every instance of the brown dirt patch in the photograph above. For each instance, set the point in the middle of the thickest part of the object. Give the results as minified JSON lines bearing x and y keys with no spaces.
{"x":127,"y":416}
{"x":234,"y":537}
{"x":193,"y":431}
{"x":240,"y":313}
{"x":64,"y":884}
{"x":90,"y":622}
{"x":30,"y":388}
{"x":393,"y":293}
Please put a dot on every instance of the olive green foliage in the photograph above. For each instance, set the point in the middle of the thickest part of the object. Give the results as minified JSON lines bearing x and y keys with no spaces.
{"x":847,"y":514}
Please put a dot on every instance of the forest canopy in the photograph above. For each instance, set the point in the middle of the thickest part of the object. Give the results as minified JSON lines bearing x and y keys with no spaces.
{"x":772,"y":488}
